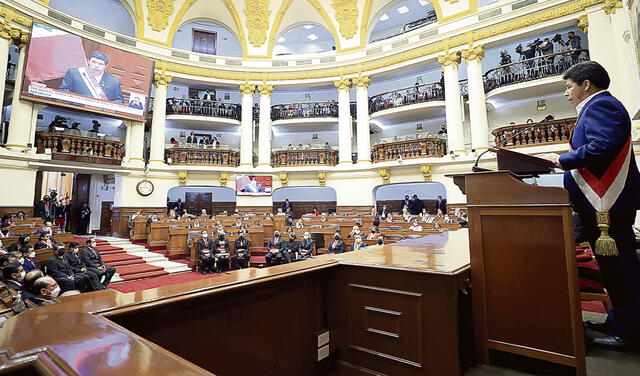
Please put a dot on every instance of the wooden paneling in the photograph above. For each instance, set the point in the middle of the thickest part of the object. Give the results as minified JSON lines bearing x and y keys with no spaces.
{"x":106,"y":212}
{"x":255,"y":209}
{"x":120,"y":217}
{"x":354,"y":209}
{"x":81,"y":187}
{"x":300,"y":208}
{"x":13,"y":210}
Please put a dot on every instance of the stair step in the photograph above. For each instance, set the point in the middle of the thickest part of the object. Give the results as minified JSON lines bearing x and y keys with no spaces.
{"x":137,"y":268}
{"x":132,"y":277}
{"x":102,"y":248}
{"x":107,"y":253}
{"x":127,"y":262}
{"x":119,"y":257}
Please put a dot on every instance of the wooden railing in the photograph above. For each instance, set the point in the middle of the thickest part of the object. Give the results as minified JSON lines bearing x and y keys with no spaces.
{"x":410,"y":149}
{"x":65,"y":146}
{"x":310,"y":157}
{"x":533,"y":69}
{"x":550,"y":132}
{"x":202,"y":157}
{"x":304,"y":110}
{"x":409,"y":95}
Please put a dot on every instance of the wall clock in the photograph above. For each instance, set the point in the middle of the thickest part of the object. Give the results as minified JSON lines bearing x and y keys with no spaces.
{"x":144,"y":187}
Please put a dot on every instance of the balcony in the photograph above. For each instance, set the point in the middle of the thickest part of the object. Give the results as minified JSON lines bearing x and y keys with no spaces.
{"x":302,"y":158}
{"x":547,"y":133}
{"x":201,"y":107}
{"x":533,"y":69}
{"x":304,"y":110}
{"x":407,"y":96}
{"x":66,"y":146}
{"x":185,"y":156}
{"x":409,"y":149}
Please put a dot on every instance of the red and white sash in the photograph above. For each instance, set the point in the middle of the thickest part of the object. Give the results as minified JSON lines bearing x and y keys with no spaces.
{"x":603,"y":192}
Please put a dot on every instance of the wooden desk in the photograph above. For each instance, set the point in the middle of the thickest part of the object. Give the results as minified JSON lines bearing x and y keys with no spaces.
{"x":139,"y":228}
{"x":177,"y":244}
{"x":158,"y":234}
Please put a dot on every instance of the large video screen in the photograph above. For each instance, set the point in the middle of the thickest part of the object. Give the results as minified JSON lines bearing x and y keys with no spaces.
{"x":253,"y":185}
{"x":68,"y":70}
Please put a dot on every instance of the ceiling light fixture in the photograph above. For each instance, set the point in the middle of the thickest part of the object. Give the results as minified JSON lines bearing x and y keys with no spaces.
{"x":312,"y":36}
{"x":424,"y":3}
{"x":402,"y":10}
{"x":308,"y":27}
{"x":281,"y":40}
{"x":384,"y":17}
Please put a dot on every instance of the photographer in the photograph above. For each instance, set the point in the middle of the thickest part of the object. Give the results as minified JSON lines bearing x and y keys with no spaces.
{"x":574,"y":43}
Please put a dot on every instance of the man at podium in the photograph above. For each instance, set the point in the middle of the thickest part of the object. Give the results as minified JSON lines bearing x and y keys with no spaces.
{"x":604,"y":187}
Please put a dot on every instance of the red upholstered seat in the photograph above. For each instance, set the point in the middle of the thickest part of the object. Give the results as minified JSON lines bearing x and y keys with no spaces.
{"x":588,"y":285}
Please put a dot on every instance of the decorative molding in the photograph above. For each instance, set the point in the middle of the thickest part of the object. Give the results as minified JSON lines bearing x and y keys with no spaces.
{"x":347,"y":17}
{"x":258,"y":13}
{"x":329,"y":22}
{"x":247,"y":88}
{"x":161,"y":78}
{"x":322,"y":178}
{"x":385,"y":175}
{"x":610,"y":6}
{"x":8,"y":32}
{"x":473,"y":53}
{"x":583,"y":23}
{"x":426,"y":172}
{"x":343,"y":84}
{"x":10,"y":15}
{"x":158,"y":13}
{"x":182,"y":178}
{"x":284,"y":179}
{"x":224,"y":178}
{"x":265,"y":89}
{"x":450,"y":58}
{"x":44,"y":2}
{"x":362,"y":81}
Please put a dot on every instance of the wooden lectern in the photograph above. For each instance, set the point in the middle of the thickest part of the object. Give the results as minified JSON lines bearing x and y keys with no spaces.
{"x":525,"y":287}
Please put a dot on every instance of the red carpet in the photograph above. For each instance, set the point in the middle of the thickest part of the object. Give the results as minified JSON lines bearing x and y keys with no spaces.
{"x":108,"y":259}
{"x":136,"y":269}
{"x":108,"y":248}
{"x":166,"y":280}
{"x":593,"y":306}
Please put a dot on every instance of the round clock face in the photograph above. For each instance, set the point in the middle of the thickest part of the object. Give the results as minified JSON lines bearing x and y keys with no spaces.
{"x":145,"y":188}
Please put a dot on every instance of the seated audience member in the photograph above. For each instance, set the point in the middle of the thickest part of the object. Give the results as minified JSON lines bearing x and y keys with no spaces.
{"x":203,"y":213}
{"x":205,"y":248}
{"x":13,"y":275}
{"x":60,"y":270}
{"x":78,"y":267}
{"x":46,"y":229}
{"x":291,"y":248}
{"x":23,"y":241}
{"x":463,"y":220}
{"x":355,"y":231}
{"x":44,"y":242}
{"x":92,"y":260}
{"x":287,"y":204}
{"x":374,"y":234}
{"x":323,"y":217}
{"x":172,"y":214}
{"x":299,"y":223}
{"x":221,"y":252}
{"x":268,"y":217}
{"x":238,"y":223}
{"x":306,"y":246}
{"x":242,"y":252}
{"x":236,"y":212}
{"x":405,"y":203}
{"x":428,"y":218}
{"x":406,"y":216}
{"x":358,"y":243}
{"x":29,"y":258}
{"x":336,"y":245}
{"x":5,"y":232}
{"x":390,"y":218}
{"x":384,"y":212}
{"x":280,"y":212}
{"x":380,"y":240}
{"x":315,"y":211}
{"x":275,"y":246}
{"x":415,"y":227}
{"x":153,"y":218}
{"x":46,"y":290}
{"x":195,"y":223}
{"x":20,"y":216}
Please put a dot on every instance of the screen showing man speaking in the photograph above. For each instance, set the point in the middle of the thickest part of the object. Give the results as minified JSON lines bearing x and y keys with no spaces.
{"x":68,"y":70}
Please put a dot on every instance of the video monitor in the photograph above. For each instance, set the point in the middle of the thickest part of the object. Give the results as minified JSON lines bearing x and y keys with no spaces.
{"x":253,"y":185}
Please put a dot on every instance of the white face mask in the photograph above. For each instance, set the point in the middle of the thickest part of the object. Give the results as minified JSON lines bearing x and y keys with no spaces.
{"x":205,"y":235}
{"x":21,"y":260}
{"x":358,"y":240}
{"x":22,"y":275}
{"x":55,"y":292}
{"x":32,"y":254}
{"x":306,"y":237}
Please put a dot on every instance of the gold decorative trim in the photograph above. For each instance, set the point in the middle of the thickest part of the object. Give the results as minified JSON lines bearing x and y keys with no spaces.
{"x":158,"y":13}
{"x":139,"y":19}
{"x":265,"y":89}
{"x":426,"y":172}
{"x":583,"y":23}
{"x":473,"y":53}
{"x":247,"y":89}
{"x":343,"y":84}
{"x":224,"y":178}
{"x":322,"y":178}
{"x":610,"y":6}
{"x":161,"y":78}
{"x":385,"y":175}
{"x":277,"y":21}
{"x":284,"y":179}
{"x":11,"y":15}
{"x":346,"y":13}
{"x":364,"y":22}
{"x":450,"y":58}
{"x":257,"y":12}
{"x":44,"y":2}
{"x":182,"y":178}
{"x":362,"y":81}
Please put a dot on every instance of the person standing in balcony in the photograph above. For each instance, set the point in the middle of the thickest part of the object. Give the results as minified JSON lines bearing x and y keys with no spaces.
{"x":574,"y":43}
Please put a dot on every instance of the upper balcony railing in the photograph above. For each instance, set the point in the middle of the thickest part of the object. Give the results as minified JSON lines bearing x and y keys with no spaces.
{"x":72,"y":146}
{"x":533,"y":69}
{"x":409,"y":149}
{"x":550,"y":132}
{"x":202,"y":107}
{"x":304,"y":110}
{"x":307,"y":157}
{"x":193,"y":156}
{"x":410,"y":95}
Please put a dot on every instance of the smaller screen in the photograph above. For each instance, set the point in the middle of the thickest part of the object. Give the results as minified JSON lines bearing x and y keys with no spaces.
{"x":253,"y":185}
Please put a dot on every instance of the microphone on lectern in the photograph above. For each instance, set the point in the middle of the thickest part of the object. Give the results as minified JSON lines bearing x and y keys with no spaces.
{"x":475,"y":167}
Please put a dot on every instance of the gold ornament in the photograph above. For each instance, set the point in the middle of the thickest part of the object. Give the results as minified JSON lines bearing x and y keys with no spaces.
{"x":247,"y":88}
{"x":257,"y":12}
{"x":362,"y":81}
{"x":343,"y":84}
{"x":322,"y":178}
{"x":450,"y":58}
{"x":224,"y":178}
{"x":385,"y":175}
{"x":583,"y":23}
{"x":284,"y":179}
{"x":10,"y":15}
{"x":265,"y":89}
{"x":161,"y":78}
{"x":182,"y":178}
{"x":426,"y":172}
{"x":347,"y":17}
{"x":473,"y":53}
{"x":610,"y":6}
{"x":158,"y":13}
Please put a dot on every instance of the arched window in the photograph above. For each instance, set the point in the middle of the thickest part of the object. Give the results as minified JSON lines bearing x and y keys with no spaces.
{"x":112,"y":15}
{"x":207,"y":38}
{"x":306,"y":38}
{"x":400,"y":17}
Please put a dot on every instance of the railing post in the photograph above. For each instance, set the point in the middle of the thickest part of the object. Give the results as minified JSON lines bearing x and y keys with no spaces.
{"x":21,"y":110}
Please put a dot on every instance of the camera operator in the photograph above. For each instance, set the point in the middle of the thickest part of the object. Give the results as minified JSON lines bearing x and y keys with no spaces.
{"x":574,"y":43}
{"x":505,"y":58}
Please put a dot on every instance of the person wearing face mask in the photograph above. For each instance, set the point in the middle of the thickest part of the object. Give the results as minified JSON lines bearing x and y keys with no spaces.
{"x":241,"y":246}
{"x":78,"y":266}
{"x":291,"y":248}
{"x":46,"y":229}
{"x":221,"y":252}
{"x":415,"y":227}
{"x":358,"y":243}
{"x":306,"y":246}
{"x":61,"y":271}
{"x":274,"y":250}
{"x":14,"y":275}
{"x":44,"y":242}
{"x":92,"y":260}
{"x":46,"y":290}
{"x":5,"y":232}
{"x":336,"y":245}
{"x":23,"y":241}
{"x":380,"y":240}
{"x":29,"y":258}
{"x":205,"y":253}
{"x":30,"y":278}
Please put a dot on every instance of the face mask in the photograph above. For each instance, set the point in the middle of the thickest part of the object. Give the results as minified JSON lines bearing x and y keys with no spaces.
{"x":21,"y":260}
{"x":22,"y":275}
{"x":60,"y":252}
{"x":205,"y":235}
{"x":379,"y":242}
{"x":336,"y":237}
{"x":55,"y":292}
{"x":220,"y":236}
{"x":32,"y":254}
{"x":358,"y":240}
{"x":306,"y":237}
{"x":276,"y":235}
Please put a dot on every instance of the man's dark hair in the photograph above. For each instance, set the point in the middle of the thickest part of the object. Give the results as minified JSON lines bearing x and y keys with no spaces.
{"x":73,"y":245}
{"x":588,"y":70}
{"x":10,"y":269}
{"x":100,"y":55}
{"x":89,"y":240}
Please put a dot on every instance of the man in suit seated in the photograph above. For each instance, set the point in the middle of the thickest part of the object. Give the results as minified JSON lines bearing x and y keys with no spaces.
{"x":92,"y":260}
{"x":306,"y":246}
{"x":242,"y":247}
{"x":275,"y":247}
{"x":358,"y":243}
{"x":60,"y":270}
{"x":336,"y":245}
{"x":205,"y":253}
{"x":221,"y":252}
{"x":441,"y":206}
{"x":92,"y":80}
{"x":45,"y":289}
{"x":77,"y":265}
{"x":384,"y":212}
{"x":14,"y":274}
{"x":291,"y":248}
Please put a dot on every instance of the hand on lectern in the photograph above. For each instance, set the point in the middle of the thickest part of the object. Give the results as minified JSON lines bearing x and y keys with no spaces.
{"x":553,"y":157}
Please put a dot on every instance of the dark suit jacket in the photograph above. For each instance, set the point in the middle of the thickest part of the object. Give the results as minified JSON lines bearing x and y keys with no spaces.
{"x":336,"y":246}
{"x":242,"y":244}
{"x":29,"y":265}
{"x":19,"y":289}
{"x":272,"y":244}
{"x":74,"y":83}
{"x":602,"y":130}
{"x":91,"y":258}
{"x":442,"y":205}
{"x":306,"y":244}
{"x":74,"y":261}
{"x":405,"y":203}
{"x":202,"y":244}
{"x":59,"y":268}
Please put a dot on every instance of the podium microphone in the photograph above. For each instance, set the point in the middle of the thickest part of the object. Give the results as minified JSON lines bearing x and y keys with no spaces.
{"x":475,"y":167}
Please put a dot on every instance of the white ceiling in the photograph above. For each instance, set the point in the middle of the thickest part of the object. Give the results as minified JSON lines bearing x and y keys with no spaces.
{"x":396,"y":19}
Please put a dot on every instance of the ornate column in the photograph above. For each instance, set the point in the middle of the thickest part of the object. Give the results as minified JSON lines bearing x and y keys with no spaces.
{"x":344,"y":120}
{"x":453,"y":111}
{"x":21,"y":111}
{"x":246,"y":124}
{"x":362,"y":119}
{"x":135,"y":144}
{"x":477,"y":106}
{"x":264,"y":132}
{"x":158,"y":122}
